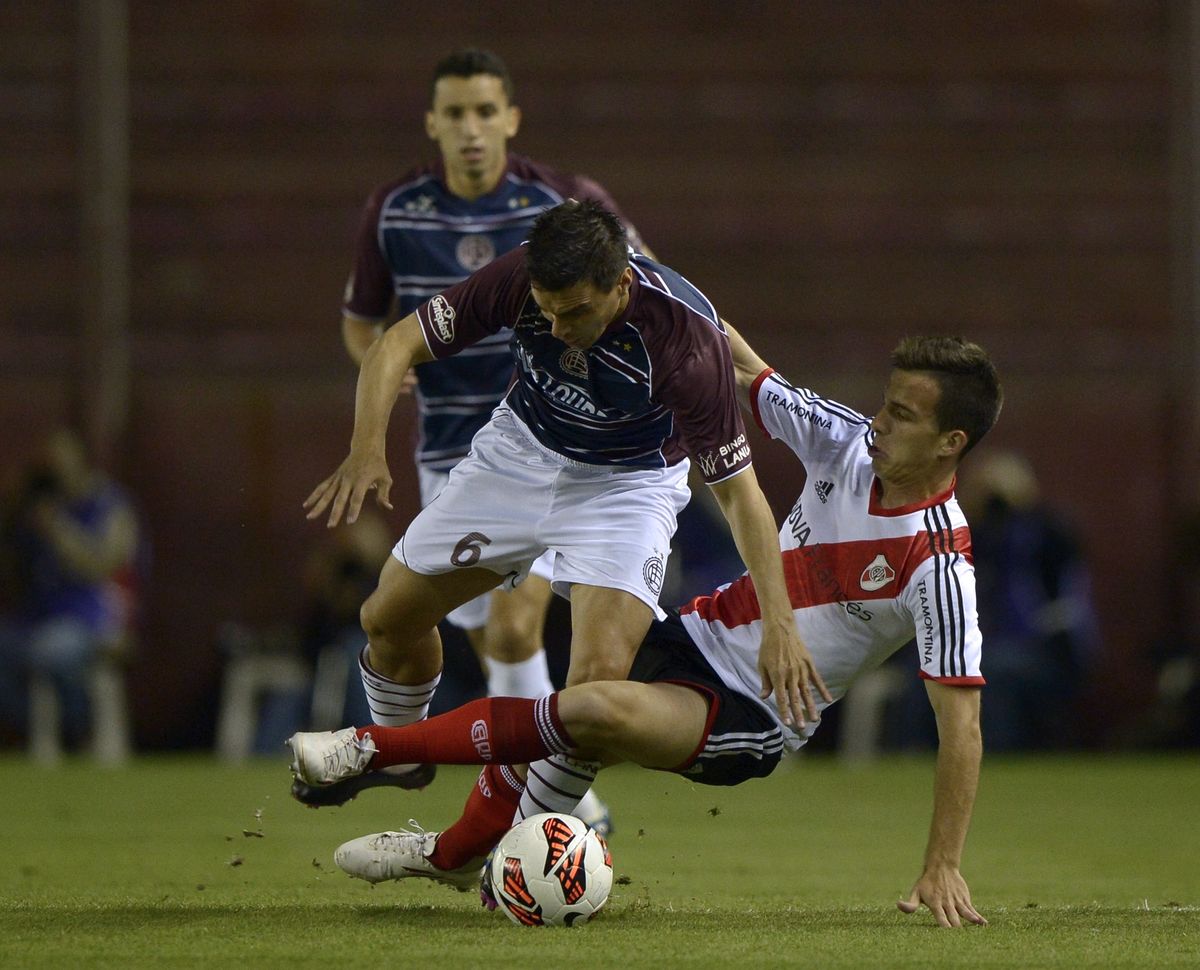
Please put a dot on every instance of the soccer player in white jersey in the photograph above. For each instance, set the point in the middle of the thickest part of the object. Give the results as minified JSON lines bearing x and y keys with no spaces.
{"x":875,"y":550}
{"x":422,"y":232}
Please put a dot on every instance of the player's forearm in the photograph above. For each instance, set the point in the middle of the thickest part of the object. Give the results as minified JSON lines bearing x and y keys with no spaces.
{"x":380,"y":377}
{"x":358,"y":336}
{"x":747,"y":365}
{"x":753,"y":526}
{"x":956,"y":780}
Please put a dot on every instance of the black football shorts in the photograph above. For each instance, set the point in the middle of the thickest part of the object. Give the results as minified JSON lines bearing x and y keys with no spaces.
{"x":741,"y":740}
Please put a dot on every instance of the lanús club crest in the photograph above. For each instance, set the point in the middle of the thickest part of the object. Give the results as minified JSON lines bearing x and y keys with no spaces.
{"x":474,"y":252}
{"x":574,"y":362}
{"x":652,"y":572}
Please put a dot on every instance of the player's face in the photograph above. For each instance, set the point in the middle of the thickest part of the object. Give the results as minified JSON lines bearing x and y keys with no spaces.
{"x":580,"y":313}
{"x":906,"y":444}
{"x":471,"y":120}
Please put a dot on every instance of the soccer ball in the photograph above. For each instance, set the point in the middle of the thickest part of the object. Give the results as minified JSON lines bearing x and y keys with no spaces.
{"x":549,"y":870}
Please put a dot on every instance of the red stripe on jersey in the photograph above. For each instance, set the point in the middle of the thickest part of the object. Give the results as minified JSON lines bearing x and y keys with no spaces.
{"x":955,"y":681}
{"x":754,"y":400}
{"x":834,"y":572}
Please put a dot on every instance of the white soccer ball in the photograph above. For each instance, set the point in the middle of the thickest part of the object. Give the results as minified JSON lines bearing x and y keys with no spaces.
{"x":550,"y":870}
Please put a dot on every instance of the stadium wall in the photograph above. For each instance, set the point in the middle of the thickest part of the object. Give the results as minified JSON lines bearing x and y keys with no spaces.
{"x":834,"y":174}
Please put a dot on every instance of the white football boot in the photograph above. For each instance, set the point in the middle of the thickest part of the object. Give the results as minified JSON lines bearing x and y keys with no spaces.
{"x":402,"y":855}
{"x":595,"y":814}
{"x":326,"y":757}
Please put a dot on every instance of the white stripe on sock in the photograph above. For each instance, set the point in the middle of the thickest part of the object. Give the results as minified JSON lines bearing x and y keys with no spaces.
{"x":392,"y":704}
{"x":555,"y":785}
{"x":525,"y":678}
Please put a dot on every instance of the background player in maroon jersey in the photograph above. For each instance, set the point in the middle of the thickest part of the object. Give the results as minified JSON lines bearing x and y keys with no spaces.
{"x":687,"y":706}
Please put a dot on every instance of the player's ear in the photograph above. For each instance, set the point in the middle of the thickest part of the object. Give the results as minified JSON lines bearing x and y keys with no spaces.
{"x":953,"y":444}
{"x":431,"y":125}
{"x":514,"y":121}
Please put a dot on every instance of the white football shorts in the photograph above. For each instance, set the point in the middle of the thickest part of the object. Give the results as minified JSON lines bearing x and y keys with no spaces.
{"x":473,"y":614}
{"x":512,"y":499}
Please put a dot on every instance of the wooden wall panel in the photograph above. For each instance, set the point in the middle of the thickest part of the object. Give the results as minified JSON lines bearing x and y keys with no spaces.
{"x":834,"y":174}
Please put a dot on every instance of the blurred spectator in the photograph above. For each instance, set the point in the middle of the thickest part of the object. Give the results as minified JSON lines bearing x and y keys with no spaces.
{"x":339,"y":574}
{"x":1035,"y":608}
{"x":338,"y":577}
{"x":70,"y":542}
{"x":1035,"y":612}
{"x":1173,"y":717}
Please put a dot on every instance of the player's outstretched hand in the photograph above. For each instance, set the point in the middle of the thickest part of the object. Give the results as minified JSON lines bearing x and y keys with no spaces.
{"x":788,"y":672}
{"x":343,"y":492}
{"x":946,"y":894}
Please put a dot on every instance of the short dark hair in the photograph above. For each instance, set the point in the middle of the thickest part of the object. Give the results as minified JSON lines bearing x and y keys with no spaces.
{"x":469,"y":61}
{"x":576,"y":241}
{"x":971,"y":395}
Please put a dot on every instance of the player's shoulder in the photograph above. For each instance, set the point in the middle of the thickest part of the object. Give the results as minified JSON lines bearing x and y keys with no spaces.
{"x":507,"y":269}
{"x":420,"y":178}
{"x":568,"y":185}
{"x":670,"y":297}
{"x":778,"y":402}
{"x":941,"y":535}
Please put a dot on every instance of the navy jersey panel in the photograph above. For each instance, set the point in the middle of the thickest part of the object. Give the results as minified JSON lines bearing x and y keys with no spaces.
{"x":415,"y":239}
{"x":656,"y":386}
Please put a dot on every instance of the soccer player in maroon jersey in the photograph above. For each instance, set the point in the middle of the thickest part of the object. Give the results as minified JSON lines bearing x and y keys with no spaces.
{"x":623,"y":371}
{"x":419,"y":233}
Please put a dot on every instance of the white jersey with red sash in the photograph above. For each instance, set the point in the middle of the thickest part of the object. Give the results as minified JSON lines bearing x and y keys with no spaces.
{"x":863,"y":580}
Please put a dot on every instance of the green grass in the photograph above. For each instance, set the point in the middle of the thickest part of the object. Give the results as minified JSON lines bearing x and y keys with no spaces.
{"x":1088,"y":862}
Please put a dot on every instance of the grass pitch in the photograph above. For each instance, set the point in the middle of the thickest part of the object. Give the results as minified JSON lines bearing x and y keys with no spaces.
{"x":1083,"y":862}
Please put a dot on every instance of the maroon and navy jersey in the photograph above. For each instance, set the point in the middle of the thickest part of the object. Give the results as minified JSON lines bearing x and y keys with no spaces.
{"x":863,"y":580}
{"x":415,"y":239}
{"x":656,"y":387}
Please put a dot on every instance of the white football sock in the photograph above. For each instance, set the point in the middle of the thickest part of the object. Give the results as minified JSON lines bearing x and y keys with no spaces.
{"x":590,"y":808}
{"x":555,"y":785}
{"x":393,"y":704}
{"x":525,"y":678}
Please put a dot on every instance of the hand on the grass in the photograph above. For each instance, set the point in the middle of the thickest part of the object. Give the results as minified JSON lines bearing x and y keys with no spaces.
{"x":788,"y":672}
{"x":946,"y":894}
{"x":343,"y":492}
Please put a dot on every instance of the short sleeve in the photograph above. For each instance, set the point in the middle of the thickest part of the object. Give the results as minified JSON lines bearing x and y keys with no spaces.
{"x":941,"y":597}
{"x":485,"y":303}
{"x":369,"y":291}
{"x":812,"y":426}
{"x":701,"y":392}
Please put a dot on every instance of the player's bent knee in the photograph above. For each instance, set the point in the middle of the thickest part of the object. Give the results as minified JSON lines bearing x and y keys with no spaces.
{"x":595,"y":714}
{"x":392,"y":636}
{"x":372,"y":617}
{"x":513,"y":638}
{"x":598,"y":668}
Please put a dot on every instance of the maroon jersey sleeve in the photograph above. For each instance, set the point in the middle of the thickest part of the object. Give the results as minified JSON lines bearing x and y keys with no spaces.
{"x":486,"y":302}
{"x":575,"y":187}
{"x":369,"y":291}
{"x":698,"y":386}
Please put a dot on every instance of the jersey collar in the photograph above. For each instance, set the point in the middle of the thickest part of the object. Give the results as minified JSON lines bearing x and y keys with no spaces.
{"x":877,"y":493}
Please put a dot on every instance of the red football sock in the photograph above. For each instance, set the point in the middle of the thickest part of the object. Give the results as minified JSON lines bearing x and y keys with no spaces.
{"x":497,"y":730}
{"x":487,"y":815}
